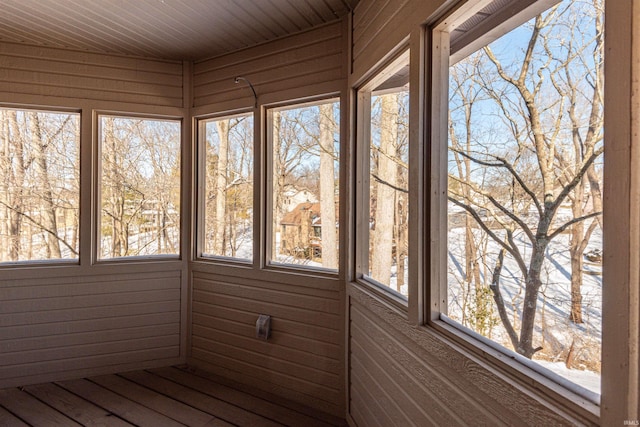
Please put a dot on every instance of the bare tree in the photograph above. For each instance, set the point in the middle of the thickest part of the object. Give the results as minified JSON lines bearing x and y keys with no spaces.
{"x":221,"y":186}
{"x":476,"y":310}
{"x":15,"y":169}
{"x":386,"y":177}
{"x":327,"y":187}
{"x":43,"y":183}
{"x":39,"y":189}
{"x":140,"y":186}
{"x":228,"y":179}
{"x":540,"y":175}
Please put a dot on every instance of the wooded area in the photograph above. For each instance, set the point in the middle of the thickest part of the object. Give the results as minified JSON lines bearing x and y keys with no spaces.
{"x":389,"y":187}
{"x":525,"y":178}
{"x":139,"y":187}
{"x":39,"y":190}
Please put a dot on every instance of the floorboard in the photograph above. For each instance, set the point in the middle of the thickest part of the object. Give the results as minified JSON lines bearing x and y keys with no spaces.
{"x":7,"y":419}
{"x":240,"y":399}
{"x":32,"y":411}
{"x":174,"y":396}
{"x":75,"y":407}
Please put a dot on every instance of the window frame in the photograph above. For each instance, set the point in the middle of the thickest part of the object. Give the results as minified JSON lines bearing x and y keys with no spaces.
{"x":62,"y":261}
{"x":434,"y":303}
{"x":362,"y":95}
{"x":97,"y":188}
{"x":199,"y":202}
{"x":267,"y":185}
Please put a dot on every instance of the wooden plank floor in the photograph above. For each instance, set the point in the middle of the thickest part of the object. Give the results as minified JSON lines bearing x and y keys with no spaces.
{"x":174,"y":396}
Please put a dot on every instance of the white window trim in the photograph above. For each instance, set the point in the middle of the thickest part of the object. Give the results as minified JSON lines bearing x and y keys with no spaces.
{"x":97,"y":190}
{"x":199,"y":202}
{"x":267,"y":179}
{"x":42,"y":263}
{"x":362,"y":171}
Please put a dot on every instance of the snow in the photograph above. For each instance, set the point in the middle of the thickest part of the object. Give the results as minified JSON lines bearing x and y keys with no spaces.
{"x":553,"y":331}
{"x":587,"y":379}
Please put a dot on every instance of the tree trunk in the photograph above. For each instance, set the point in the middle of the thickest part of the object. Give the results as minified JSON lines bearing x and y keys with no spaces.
{"x":16,"y":200}
{"x":49,"y":221}
{"x":221,"y":187}
{"x":576,"y":250}
{"x":382,"y":239}
{"x":113,"y":191}
{"x":327,"y":188}
{"x":529,"y":306}
{"x":278,"y":184}
{"x":4,"y":186}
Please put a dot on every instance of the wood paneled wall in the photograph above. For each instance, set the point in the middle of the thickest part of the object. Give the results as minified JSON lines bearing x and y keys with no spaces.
{"x":68,"y":320}
{"x":304,"y":359}
{"x":401,"y":375}
{"x":70,"y":326}
{"x":379,"y":26}
{"x":311,"y":59}
{"x":45,"y":72}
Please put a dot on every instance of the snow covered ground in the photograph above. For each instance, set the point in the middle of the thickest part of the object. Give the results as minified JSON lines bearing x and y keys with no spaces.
{"x":553,"y":331}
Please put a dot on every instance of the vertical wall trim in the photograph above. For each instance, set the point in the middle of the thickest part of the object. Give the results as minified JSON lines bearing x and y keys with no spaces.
{"x":634,"y":320}
{"x":259,"y":187}
{"x":187,"y":196}
{"x":437,"y":190}
{"x":621,"y":215}
{"x":416,"y":172}
{"x":347,"y":216}
{"x":87,"y":236}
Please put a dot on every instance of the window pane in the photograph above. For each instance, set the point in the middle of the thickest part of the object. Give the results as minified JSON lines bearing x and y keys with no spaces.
{"x":525,"y":200}
{"x":228,"y":187}
{"x":389,"y":180}
{"x":39,"y":185}
{"x":139,"y":187}
{"x":305,"y":185}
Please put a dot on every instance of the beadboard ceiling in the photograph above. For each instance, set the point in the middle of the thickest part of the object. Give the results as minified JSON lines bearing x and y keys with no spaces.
{"x":172,"y":29}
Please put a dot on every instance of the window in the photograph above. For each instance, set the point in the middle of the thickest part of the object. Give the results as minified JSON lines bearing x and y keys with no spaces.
{"x":384,"y":106}
{"x":39,"y":185}
{"x":227,"y":195}
{"x":523,"y":174}
{"x":304,"y":185}
{"x":139,"y":181}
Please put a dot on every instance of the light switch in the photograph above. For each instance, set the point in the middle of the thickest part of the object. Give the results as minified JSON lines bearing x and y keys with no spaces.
{"x":263,"y":327}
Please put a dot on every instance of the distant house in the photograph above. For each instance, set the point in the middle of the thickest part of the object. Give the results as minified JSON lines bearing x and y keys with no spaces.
{"x":300,"y":231}
{"x":292,"y":197}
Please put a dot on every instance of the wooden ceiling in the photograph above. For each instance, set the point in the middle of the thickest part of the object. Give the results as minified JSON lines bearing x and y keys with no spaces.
{"x":172,"y":29}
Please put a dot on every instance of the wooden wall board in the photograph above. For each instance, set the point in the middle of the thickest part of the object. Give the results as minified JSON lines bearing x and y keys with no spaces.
{"x":300,"y":61}
{"x":47,"y":72}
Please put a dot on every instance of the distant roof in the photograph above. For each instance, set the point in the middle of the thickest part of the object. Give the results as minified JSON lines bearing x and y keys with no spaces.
{"x":294,"y":217}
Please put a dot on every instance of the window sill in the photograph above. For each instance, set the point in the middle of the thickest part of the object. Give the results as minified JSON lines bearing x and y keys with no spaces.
{"x":521,"y":371}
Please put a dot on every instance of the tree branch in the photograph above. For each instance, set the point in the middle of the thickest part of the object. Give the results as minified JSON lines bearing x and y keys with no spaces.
{"x":388,"y":184}
{"x":482,"y":225}
{"x":577,"y":178}
{"x":504,"y":164}
{"x":499,"y":205}
{"x":497,"y":297}
{"x":41,"y":227}
{"x":570,"y":223}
